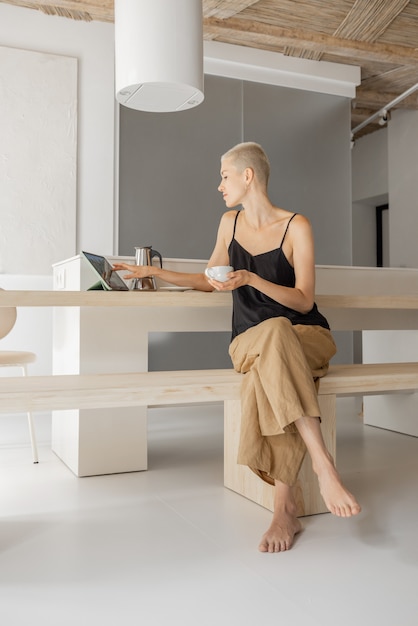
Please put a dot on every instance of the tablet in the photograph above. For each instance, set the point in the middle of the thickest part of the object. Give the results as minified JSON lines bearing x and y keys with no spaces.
{"x":109,"y":279}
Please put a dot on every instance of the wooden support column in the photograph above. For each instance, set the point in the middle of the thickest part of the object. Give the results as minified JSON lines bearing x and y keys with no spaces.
{"x":242,"y":480}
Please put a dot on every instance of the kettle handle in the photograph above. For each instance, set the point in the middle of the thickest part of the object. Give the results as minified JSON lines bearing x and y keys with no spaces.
{"x":156,"y":253}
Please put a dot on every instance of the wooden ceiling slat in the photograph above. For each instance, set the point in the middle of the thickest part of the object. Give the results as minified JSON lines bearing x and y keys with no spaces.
{"x":369,"y":19}
{"x":357,"y":50}
{"x":225,"y":8}
{"x":322,"y":16}
{"x":366,"y":21}
{"x":74,"y":9}
{"x":376,"y":100}
{"x":62,"y":12}
{"x":398,"y":80}
{"x":404,"y":28}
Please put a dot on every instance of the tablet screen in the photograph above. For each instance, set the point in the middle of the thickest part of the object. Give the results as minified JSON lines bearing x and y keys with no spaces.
{"x":110,"y":279}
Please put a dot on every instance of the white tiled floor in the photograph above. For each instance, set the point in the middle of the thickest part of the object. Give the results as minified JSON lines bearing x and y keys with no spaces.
{"x":172,"y":546}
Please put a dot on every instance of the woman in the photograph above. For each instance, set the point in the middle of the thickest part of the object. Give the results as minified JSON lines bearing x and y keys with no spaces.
{"x":280,"y":341}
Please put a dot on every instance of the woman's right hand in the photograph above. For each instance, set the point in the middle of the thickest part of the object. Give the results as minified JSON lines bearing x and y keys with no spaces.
{"x":136,"y":271}
{"x":236,"y":279}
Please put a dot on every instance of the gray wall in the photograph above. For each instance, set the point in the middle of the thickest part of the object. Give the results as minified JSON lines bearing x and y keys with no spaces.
{"x":403,"y":188}
{"x":169,"y":166}
{"x":169,"y":173}
{"x":306,"y":136}
{"x":364,"y":234}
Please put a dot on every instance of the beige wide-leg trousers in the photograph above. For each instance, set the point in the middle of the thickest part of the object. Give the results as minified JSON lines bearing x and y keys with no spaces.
{"x":281,"y":363}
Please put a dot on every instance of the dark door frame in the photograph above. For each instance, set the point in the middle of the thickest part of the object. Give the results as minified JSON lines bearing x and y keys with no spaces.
{"x":379,"y":233}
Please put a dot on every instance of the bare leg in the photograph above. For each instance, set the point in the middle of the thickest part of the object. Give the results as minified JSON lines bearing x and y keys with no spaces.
{"x":336,"y":497}
{"x":285,"y":525}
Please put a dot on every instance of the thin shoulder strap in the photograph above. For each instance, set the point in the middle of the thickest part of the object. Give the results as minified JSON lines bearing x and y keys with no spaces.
{"x":235,"y":224}
{"x":287,"y":228}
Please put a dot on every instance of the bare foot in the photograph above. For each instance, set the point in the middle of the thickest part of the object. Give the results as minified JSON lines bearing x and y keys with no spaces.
{"x":279,"y":537}
{"x":337,"y":498}
{"x":285,"y":524}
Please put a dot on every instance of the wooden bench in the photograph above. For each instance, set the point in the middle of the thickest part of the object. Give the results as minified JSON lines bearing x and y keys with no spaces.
{"x":89,"y":391}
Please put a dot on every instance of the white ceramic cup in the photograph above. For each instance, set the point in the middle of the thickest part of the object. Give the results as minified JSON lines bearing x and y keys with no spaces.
{"x":219,"y":272}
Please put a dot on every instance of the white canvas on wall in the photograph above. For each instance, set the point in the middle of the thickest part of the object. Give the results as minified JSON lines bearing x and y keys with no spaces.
{"x":38,"y":160}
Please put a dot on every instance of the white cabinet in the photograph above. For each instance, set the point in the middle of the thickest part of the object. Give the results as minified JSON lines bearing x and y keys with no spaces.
{"x":96,"y":340}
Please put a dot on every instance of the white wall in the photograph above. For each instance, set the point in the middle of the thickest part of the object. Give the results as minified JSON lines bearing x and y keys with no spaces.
{"x":92,"y":43}
{"x":38,"y":152}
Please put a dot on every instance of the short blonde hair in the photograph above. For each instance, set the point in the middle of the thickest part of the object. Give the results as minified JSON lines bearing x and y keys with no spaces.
{"x":250,"y":154}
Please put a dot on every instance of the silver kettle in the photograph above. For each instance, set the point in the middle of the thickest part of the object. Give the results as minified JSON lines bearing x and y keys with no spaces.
{"x":144,"y":256}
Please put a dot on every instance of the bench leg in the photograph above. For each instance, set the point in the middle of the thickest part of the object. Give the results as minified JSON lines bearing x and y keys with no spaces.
{"x":242,"y":480}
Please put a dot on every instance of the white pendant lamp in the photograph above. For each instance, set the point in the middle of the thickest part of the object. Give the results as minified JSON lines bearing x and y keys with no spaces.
{"x":159,"y":54}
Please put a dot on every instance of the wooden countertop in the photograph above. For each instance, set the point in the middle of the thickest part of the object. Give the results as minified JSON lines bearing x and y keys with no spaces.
{"x":161,"y":298}
{"x":188,"y":299}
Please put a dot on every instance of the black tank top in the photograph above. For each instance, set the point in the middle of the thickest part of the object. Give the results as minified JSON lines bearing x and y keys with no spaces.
{"x":250,"y":306}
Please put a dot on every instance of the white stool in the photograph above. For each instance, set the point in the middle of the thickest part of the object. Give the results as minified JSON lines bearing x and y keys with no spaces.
{"x":17,"y":359}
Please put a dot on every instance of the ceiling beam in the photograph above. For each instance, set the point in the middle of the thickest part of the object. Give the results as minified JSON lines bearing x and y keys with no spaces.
{"x":271,"y":68}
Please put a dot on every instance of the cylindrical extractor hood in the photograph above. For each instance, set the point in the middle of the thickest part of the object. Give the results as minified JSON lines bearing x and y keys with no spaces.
{"x":159,"y":54}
